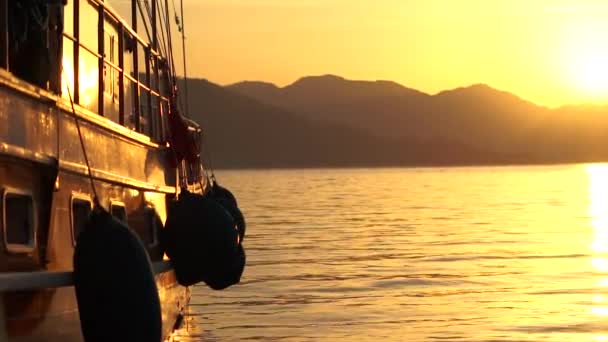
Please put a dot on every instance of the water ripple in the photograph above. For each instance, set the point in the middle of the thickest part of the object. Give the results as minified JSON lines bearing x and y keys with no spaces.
{"x":495,"y":254}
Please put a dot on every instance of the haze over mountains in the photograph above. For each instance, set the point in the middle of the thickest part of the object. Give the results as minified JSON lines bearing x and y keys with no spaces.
{"x":331,"y":121}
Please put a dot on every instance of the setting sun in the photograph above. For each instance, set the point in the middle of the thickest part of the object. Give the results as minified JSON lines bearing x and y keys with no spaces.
{"x":592,"y":73}
{"x":586,"y":54}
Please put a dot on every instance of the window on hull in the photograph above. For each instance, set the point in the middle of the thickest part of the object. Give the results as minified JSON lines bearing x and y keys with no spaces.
{"x":152,"y":225}
{"x":81,"y":210}
{"x":118,"y":210}
{"x":18,"y":221}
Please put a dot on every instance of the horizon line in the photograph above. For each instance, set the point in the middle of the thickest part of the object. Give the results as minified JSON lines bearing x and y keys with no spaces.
{"x":278,"y":86}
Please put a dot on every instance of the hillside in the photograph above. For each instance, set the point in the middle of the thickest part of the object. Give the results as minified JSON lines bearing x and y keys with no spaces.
{"x":477,"y":116}
{"x":244,"y":132}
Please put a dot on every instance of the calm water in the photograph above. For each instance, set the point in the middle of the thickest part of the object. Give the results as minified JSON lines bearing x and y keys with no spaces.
{"x":470,"y":254}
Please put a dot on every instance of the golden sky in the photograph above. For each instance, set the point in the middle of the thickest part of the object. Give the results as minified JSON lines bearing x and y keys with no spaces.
{"x":551,"y":52}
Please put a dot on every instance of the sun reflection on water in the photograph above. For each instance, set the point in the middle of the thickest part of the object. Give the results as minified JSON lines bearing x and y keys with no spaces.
{"x":598,"y":213}
{"x":603,"y":282}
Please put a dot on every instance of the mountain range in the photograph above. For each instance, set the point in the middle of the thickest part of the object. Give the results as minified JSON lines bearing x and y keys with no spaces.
{"x":323,"y":121}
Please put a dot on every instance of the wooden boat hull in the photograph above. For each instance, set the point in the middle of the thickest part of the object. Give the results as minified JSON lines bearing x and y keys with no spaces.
{"x":52,"y":314}
{"x":40,"y":154}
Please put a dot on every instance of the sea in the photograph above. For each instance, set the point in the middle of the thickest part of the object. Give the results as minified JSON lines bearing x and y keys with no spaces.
{"x":415,"y":254}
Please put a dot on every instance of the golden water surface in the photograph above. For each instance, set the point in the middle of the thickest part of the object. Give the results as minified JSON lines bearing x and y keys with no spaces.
{"x":429,"y":254}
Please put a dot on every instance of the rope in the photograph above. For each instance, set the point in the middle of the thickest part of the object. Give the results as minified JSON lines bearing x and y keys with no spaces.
{"x":84,"y":150}
{"x":173,"y":70}
{"x":151,"y":19}
{"x":161,"y":16}
{"x":169,"y":42}
{"x":141,"y":12}
{"x":200,"y":181}
{"x":209,"y":158}
{"x":160,"y":31}
{"x":183,"y":170}
{"x":179,"y":29}
{"x":183,"y":30}
{"x":170,"y":45}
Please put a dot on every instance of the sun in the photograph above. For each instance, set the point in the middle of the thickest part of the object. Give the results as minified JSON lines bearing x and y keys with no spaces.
{"x":590,"y":71}
{"x":587,"y":60}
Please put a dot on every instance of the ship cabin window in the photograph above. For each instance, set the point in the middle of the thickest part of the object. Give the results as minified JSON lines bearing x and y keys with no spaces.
{"x":152,"y":226}
{"x":31,"y":44}
{"x":114,"y":68}
{"x":117,"y":209}
{"x":81,"y":210}
{"x":19,"y":221}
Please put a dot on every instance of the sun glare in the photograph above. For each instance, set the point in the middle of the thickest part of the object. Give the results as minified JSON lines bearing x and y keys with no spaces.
{"x":587,"y":60}
{"x":591,"y":72}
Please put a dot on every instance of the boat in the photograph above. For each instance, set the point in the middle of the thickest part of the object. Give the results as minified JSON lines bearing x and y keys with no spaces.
{"x":86,"y":101}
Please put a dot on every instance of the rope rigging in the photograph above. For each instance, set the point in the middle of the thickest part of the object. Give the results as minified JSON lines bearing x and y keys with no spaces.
{"x":141,"y":11}
{"x":183,"y":32}
{"x":80,"y":137}
{"x":169,"y":43}
{"x":163,"y":38}
{"x":162,"y":32}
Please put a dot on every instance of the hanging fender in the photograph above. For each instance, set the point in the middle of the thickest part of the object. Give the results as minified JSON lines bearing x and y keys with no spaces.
{"x":202,"y":242}
{"x":224,"y":197}
{"x":224,"y":277}
{"x":218,"y":192}
{"x":114,"y":282}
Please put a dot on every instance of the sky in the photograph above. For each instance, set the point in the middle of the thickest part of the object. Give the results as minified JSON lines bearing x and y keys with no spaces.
{"x":551,"y":52}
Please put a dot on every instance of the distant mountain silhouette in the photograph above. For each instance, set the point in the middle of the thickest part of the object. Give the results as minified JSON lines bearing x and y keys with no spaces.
{"x":331,"y":121}
{"x":498,"y":123}
{"x":361,"y":104}
{"x":243,"y":132}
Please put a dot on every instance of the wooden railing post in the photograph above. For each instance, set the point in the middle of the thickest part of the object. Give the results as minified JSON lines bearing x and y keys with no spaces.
{"x":101,"y":47}
{"x":149,"y":97}
{"x":76,"y":65}
{"x":136,"y":93}
{"x":4,"y":34}
{"x":121,"y":79}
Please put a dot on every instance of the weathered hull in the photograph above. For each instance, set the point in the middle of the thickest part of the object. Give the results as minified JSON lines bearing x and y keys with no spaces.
{"x":52,"y":315}
{"x":41,"y":155}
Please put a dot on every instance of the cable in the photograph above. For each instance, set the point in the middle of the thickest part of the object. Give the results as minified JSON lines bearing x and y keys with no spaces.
{"x":160,"y":14}
{"x":179,"y":102}
{"x":184,"y":57}
{"x":84,"y":150}
{"x":141,"y":12}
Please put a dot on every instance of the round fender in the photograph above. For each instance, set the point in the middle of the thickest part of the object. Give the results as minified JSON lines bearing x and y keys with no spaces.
{"x":115,"y":286}
{"x":237,"y":216}
{"x":200,"y":236}
{"x":222,"y":278}
{"x":219,"y":193}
